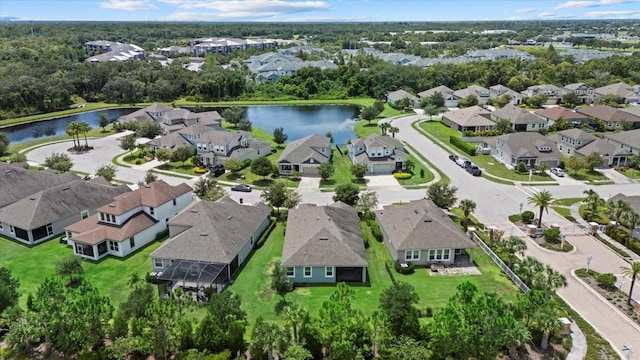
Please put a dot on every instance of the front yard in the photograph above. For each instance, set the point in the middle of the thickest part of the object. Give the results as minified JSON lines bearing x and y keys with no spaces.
{"x":258,"y":299}
{"x":33,"y":265}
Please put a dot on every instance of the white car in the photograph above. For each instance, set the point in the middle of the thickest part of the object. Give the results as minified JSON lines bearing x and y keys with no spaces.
{"x":557,"y":172}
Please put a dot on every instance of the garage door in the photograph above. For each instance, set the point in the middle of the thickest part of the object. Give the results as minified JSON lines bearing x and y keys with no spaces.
{"x":349,"y":274}
{"x":310,"y":170}
{"x":383,"y":169}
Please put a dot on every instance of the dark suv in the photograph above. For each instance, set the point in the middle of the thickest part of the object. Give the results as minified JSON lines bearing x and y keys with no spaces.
{"x":217,"y":170}
{"x":474,"y":170}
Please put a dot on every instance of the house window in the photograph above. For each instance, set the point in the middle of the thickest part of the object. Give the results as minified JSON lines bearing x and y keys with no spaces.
{"x":84,"y":214}
{"x":439,"y":254}
{"x":174,"y":202}
{"x":49,"y":230}
{"x":101,"y":216}
{"x":113,"y":246}
{"x":1,"y":227}
{"x":291,"y":272}
{"x":132,"y":242}
{"x":11,"y":230}
{"x":307,"y":271}
{"x":157,"y":263}
{"x":151,"y":211}
{"x":328,"y":271}
{"x":568,"y":151}
{"x":412,"y":255}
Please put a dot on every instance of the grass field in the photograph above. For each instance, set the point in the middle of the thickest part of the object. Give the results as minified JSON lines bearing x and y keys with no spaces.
{"x":252,"y":285}
{"x":567,"y":201}
{"x":586,"y":175}
{"x":33,"y":265}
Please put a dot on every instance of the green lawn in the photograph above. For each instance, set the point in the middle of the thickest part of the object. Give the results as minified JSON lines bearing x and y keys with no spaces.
{"x":252,"y":285}
{"x":342,"y":171}
{"x":177,"y":166}
{"x":444,"y":179}
{"x":363,"y":128}
{"x":586,"y":175}
{"x":33,"y":265}
{"x":563,"y":211}
{"x":493,"y":167}
{"x":439,"y":130}
{"x":416,"y":179}
{"x":134,"y":158}
{"x":631,"y":173}
{"x":567,"y":201}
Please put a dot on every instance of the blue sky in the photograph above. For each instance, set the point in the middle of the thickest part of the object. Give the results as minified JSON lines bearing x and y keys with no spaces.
{"x":316,"y":10}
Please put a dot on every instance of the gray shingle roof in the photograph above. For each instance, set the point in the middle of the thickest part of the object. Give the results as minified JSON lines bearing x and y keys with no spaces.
{"x":420,"y":225}
{"x":307,"y":147}
{"x":475,"y":90}
{"x":471,"y":116}
{"x":59,"y":202}
{"x":375,"y":140}
{"x":517,"y":115}
{"x":174,"y":141}
{"x":634,"y":201}
{"x":323,"y":236}
{"x":578,"y":134}
{"x":445,"y":91}
{"x":629,"y":138}
{"x":17,"y":183}
{"x":398,"y":95}
{"x":527,"y":144}
{"x":609,"y":114}
{"x":216,"y":231}
{"x":603,"y":147}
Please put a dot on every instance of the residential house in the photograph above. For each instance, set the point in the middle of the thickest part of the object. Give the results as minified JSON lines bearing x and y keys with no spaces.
{"x":630,"y":94}
{"x":634,"y":203}
{"x":112,"y":51}
{"x":323,"y":244}
{"x":626,"y":140}
{"x":204,"y":46}
{"x":552,"y":92}
{"x":479,"y":92}
{"x":473,"y":118}
{"x":586,"y":93}
{"x":581,"y":143}
{"x":173,"y":119}
{"x":217,"y":146}
{"x":553,"y":114}
{"x":520,"y":119}
{"x":381,"y":153}
{"x":211,"y":236}
{"x":633,"y":110}
{"x":422,"y":233}
{"x":305,"y":155}
{"x":271,"y":66}
{"x":129,"y":222}
{"x":395,"y":96}
{"x":531,"y":148}
{"x":184,"y":137}
{"x":43,"y":214}
{"x":613,"y":117}
{"x":450,"y":100}
{"x":501,"y":90}
{"x":17,"y":183}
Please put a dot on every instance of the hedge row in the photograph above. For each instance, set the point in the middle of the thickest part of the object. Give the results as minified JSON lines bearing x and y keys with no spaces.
{"x":460,"y":144}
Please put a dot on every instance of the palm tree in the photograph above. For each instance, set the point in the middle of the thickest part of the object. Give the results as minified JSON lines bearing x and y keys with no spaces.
{"x":84,"y":128}
{"x":513,"y":245}
{"x":549,"y":280}
{"x":71,"y":130}
{"x":393,"y":130}
{"x":467,"y":206}
{"x":593,"y":201}
{"x":616,"y":209}
{"x":541,"y":199}
{"x":634,"y":161}
{"x":515,"y":335}
{"x":542,"y":168}
{"x":632,"y":219}
{"x":293,"y":315}
{"x":546,"y":320}
{"x":633,"y":272}
{"x":384,"y":127}
{"x":527,"y":268}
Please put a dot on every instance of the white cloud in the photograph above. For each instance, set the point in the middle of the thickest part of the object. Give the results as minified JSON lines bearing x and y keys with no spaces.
{"x":279,"y":6}
{"x":546,"y":15}
{"x":524,"y":11}
{"x":129,"y":5}
{"x":612,"y":14}
{"x":590,"y":3}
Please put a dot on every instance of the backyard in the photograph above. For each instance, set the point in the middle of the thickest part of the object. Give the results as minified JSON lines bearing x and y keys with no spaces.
{"x":258,"y":299}
{"x":32,"y":265}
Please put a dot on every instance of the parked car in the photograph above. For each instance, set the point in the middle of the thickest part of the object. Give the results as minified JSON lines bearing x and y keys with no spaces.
{"x":474,"y":170}
{"x":557,"y":172}
{"x":463,"y":162}
{"x":453,"y":157}
{"x":217,"y":170}
{"x":241,"y":187}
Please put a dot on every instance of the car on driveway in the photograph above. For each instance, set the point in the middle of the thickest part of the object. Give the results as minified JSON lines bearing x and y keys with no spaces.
{"x":241,"y":187}
{"x":557,"y":172}
{"x":453,"y":157}
{"x":474,"y":170}
{"x":217,"y":170}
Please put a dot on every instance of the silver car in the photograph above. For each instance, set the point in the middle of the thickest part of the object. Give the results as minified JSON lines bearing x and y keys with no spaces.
{"x":557,"y":172}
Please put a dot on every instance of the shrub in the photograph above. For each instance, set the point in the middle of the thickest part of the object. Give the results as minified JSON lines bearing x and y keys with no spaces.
{"x":139,"y":161}
{"x":552,"y":235}
{"x":148,"y":157}
{"x":199,"y":170}
{"x":527,"y":216}
{"x":410,"y":269}
{"x":375,"y":230}
{"x":522,"y":167}
{"x":428,"y":312}
{"x":246,"y":164}
{"x":402,"y":175}
{"x":607,"y":281}
{"x":422,"y":173}
{"x":460,"y":144}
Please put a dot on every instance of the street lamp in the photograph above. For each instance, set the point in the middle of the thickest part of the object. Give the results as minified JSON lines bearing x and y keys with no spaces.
{"x":562,"y":236}
{"x":629,"y":351}
{"x":589,"y":261}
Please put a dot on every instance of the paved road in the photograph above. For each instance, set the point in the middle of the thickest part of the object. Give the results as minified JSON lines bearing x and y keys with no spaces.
{"x":495,"y":202}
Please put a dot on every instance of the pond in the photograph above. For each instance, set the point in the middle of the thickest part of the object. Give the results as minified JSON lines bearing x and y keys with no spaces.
{"x":297,"y":121}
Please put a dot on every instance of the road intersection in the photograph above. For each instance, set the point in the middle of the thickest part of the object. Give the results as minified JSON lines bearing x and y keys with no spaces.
{"x":495,"y":202}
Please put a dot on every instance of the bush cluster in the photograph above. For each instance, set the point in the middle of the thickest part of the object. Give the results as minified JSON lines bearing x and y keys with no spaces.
{"x":410,"y":269}
{"x":402,"y":175}
{"x":607,"y":281}
{"x":621,"y":236}
{"x":482,"y":133}
{"x":460,"y":144}
{"x":527,"y":216}
{"x":375,"y":230}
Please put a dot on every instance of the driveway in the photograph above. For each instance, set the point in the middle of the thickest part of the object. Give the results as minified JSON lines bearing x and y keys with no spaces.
{"x":309,"y":184}
{"x":379,"y":182}
{"x":615,"y":176}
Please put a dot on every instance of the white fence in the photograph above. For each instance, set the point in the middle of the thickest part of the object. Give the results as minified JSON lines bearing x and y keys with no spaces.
{"x":510,"y":274}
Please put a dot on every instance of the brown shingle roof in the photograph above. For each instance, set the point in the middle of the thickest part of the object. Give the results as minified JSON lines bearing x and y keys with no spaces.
{"x":608,"y":113}
{"x":471,"y":116}
{"x":152,"y":195}
{"x":91,"y":232}
{"x":216,"y":231}
{"x":517,"y":115}
{"x":323,"y":236}
{"x":421,"y":225}
{"x":557,"y":112}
